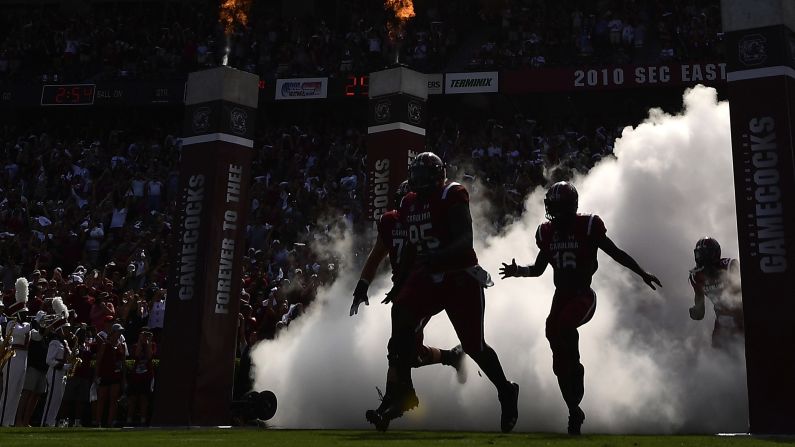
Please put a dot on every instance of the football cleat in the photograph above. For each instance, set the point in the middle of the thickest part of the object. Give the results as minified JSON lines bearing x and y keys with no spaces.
{"x":576,"y":418}
{"x":509,"y":401}
{"x":392,"y":408}
{"x":375,"y":418}
{"x":459,"y":364}
{"x":411,"y":401}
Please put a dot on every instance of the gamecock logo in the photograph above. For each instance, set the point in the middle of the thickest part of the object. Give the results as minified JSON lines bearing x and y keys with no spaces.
{"x":238,"y":119}
{"x":383,"y":111}
{"x":415,"y":112}
{"x":752,"y":49}
{"x":201,"y":120}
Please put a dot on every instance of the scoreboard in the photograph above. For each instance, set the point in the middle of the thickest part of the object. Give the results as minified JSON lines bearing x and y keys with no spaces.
{"x":68,"y":95}
{"x":356,"y":86}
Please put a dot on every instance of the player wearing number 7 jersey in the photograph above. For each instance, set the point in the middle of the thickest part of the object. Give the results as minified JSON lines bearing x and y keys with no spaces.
{"x":569,"y":241}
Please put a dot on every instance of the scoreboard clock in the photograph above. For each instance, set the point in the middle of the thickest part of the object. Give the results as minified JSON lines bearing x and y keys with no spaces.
{"x":357,"y":86}
{"x":68,"y":94}
{"x":350,"y":86}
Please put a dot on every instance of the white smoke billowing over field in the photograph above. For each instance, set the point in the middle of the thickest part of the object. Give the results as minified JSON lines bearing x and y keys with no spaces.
{"x":649,"y":368}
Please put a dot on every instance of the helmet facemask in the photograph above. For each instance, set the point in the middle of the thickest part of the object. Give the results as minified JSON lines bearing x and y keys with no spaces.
{"x":559,"y":212}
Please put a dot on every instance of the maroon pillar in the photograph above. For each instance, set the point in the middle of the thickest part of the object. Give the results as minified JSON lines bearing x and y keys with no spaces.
{"x":195,"y":375}
{"x":761,"y":96}
{"x":395,"y":132}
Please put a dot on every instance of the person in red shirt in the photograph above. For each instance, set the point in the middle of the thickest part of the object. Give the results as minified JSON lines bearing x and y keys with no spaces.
{"x":140,"y":379}
{"x":109,"y":375}
{"x":82,"y":303}
{"x":391,"y":240}
{"x":569,"y":242}
{"x":438,"y":271}
{"x":102,"y":312}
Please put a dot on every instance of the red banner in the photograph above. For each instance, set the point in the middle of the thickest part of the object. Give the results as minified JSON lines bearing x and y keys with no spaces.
{"x":611,"y":78}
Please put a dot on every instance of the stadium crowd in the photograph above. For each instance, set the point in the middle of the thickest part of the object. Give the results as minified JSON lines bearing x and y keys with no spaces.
{"x":157,"y":39}
{"x":168,"y":39}
{"x":535,"y":34}
{"x":88,"y":220}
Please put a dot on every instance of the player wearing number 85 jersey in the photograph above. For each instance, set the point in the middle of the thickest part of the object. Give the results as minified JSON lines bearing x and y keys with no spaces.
{"x":392,"y":238}
{"x":438,"y":271}
{"x":569,"y":242}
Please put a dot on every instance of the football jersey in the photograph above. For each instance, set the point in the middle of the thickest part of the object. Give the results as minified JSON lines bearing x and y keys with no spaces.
{"x":715,"y":288}
{"x":393,"y":235}
{"x":572,"y":251}
{"x":427,"y":222}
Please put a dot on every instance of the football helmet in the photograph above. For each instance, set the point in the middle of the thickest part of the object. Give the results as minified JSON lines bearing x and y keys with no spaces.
{"x":561,"y":202}
{"x":707,"y":252}
{"x":400,"y":192}
{"x":426,"y":173}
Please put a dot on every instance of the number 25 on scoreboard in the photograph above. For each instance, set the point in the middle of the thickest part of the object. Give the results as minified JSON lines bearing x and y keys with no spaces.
{"x":357,"y":85}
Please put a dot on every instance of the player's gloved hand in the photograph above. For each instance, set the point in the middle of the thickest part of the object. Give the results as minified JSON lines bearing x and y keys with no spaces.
{"x":509,"y":270}
{"x":360,"y":296}
{"x":651,"y":280}
{"x":697,"y":313}
{"x":391,"y":295}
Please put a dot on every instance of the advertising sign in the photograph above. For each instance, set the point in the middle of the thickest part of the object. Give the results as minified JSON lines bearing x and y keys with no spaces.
{"x":302,"y":88}
{"x":479,"y":82}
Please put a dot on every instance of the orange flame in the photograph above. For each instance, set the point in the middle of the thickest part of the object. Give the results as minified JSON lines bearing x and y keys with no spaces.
{"x":234,"y":12}
{"x":403,"y":9}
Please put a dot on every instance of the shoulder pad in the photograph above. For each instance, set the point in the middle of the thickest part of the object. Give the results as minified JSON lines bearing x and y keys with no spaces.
{"x":541,"y":231}
{"x":389,"y":215}
{"x":451,"y":188}
{"x":595,"y":225}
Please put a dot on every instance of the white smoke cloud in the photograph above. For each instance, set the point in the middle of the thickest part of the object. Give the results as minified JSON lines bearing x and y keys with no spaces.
{"x":649,"y":368}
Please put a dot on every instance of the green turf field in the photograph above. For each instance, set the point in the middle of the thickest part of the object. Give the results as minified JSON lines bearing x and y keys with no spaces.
{"x":287,"y":438}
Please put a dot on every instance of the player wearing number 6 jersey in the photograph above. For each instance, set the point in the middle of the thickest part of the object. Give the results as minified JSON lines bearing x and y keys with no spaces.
{"x":569,"y":241}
